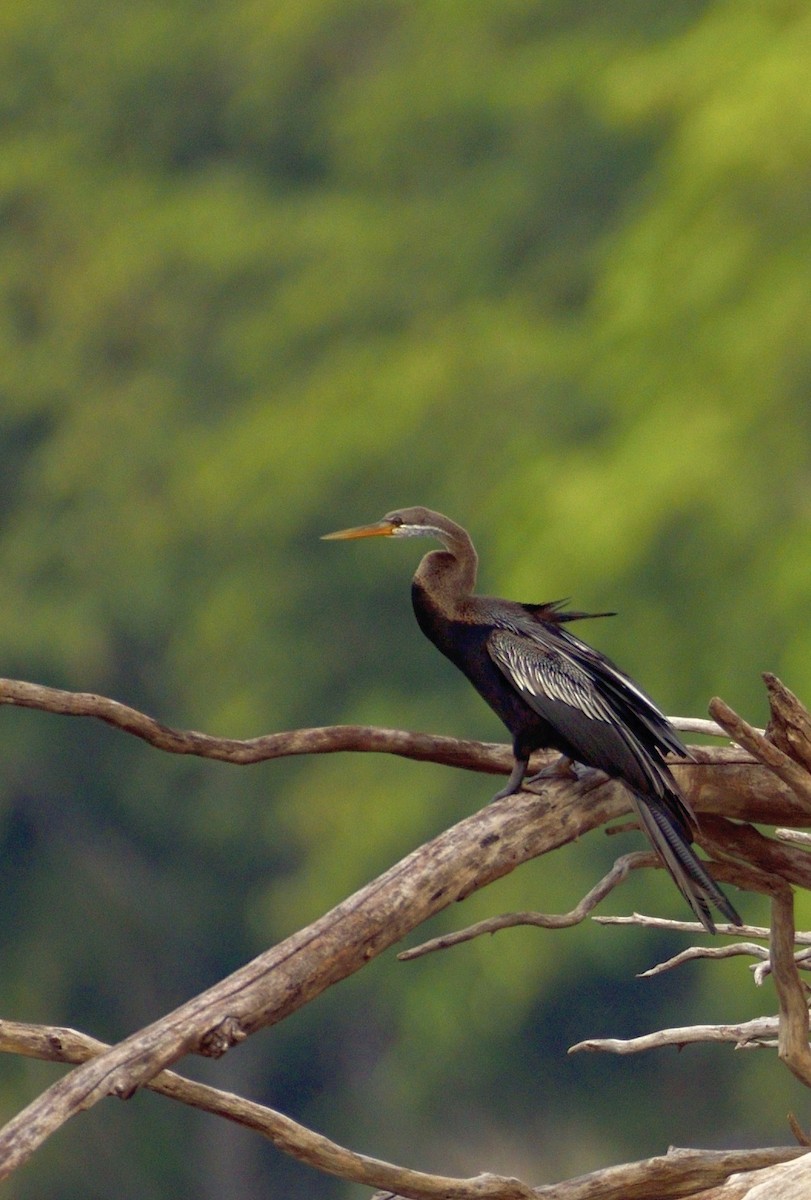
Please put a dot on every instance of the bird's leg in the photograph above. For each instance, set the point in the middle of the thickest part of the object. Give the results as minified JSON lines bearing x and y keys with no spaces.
{"x":513,"y":784}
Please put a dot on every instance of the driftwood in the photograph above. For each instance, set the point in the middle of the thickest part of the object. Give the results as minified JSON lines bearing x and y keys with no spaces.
{"x":763,"y":778}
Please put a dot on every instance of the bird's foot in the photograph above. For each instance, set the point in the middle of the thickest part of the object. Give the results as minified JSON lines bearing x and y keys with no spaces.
{"x":562,"y":768}
{"x":515,"y":782}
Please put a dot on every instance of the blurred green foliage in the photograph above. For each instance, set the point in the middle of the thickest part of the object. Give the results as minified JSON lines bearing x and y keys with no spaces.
{"x":271,"y":269}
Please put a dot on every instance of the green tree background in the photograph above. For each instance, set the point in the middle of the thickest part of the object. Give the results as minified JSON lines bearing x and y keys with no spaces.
{"x":267,"y":270}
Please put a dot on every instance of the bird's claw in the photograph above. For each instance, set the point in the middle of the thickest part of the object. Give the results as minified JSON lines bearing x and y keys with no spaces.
{"x":562,"y":768}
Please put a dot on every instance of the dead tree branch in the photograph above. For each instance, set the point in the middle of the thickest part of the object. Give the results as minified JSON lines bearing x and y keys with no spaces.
{"x":790,"y":724}
{"x":465,"y":858}
{"x":764,"y":750}
{"x":618,"y":873}
{"x":792,"y":996}
{"x":737,"y":949}
{"x":488,"y":757}
{"x":677,"y":1172}
{"x":305,"y":1145}
{"x":771,"y":787}
{"x":731,"y":786}
{"x":760,"y":1031}
{"x":755,"y":931}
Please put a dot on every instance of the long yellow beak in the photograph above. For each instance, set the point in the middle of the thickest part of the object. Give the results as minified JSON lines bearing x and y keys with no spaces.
{"x":378,"y":529}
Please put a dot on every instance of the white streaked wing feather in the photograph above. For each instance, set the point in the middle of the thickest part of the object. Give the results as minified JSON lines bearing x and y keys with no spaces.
{"x":547,"y":673}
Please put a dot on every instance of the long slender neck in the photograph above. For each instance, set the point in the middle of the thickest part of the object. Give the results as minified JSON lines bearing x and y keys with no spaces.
{"x":449,"y":576}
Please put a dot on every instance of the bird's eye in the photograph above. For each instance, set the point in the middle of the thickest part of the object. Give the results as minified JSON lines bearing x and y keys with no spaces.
{"x":395,"y":521}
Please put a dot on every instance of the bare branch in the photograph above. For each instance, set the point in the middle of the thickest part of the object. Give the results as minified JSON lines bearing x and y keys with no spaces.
{"x":763,"y":750}
{"x":754,"y":931}
{"x":786,"y":1181}
{"x":677,"y":1173}
{"x":790,"y":724}
{"x":725,"y":780}
{"x":484,"y":847}
{"x":287,"y":1135}
{"x":793,"y":1047}
{"x":619,"y":872}
{"x":694,"y":952}
{"x":698,"y":725}
{"x":767,"y":863}
{"x":489,"y":757}
{"x":761,"y":971}
{"x":761,"y":1031}
{"x":792,"y":1024}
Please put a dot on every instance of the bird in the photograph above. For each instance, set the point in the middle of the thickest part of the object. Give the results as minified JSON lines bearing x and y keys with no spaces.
{"x":553,"y":691}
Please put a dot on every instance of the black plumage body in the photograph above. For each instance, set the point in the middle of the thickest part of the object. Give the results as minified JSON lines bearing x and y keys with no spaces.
{"x":552,"y":690}
{"x":466,"y":637}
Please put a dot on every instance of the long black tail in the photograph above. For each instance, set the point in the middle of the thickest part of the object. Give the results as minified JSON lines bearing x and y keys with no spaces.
{"x":671,"y":839}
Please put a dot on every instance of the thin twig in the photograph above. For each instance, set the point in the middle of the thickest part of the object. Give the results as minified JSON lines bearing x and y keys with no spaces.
{"x":753,"y":931}
{"x":619,"y":872}
{"x":761,"y":1031}
{"x":694,"y":952}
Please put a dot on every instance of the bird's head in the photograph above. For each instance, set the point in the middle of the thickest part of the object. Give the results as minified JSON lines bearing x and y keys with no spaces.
{"x":403,"y":522}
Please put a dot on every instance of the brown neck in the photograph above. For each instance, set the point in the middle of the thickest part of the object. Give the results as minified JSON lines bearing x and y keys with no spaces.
{"x":449,"y":576}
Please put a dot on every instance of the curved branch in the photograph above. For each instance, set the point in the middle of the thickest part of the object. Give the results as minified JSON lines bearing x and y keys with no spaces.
{"x":490,"y":757}
{"x":289,"y":1136}
{"x":675,"y":1174}
{"x":619,"y":872}
{"x":737,"y":949}
{"x":758,"y":1032}
{"x":717,"y":779}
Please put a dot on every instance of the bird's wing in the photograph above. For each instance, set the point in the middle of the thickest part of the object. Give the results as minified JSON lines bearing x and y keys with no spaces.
{"x":541,"y":670}
{"x":628,"y":701}
{"x":607,"y":721}
{"x":571,"y":687}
